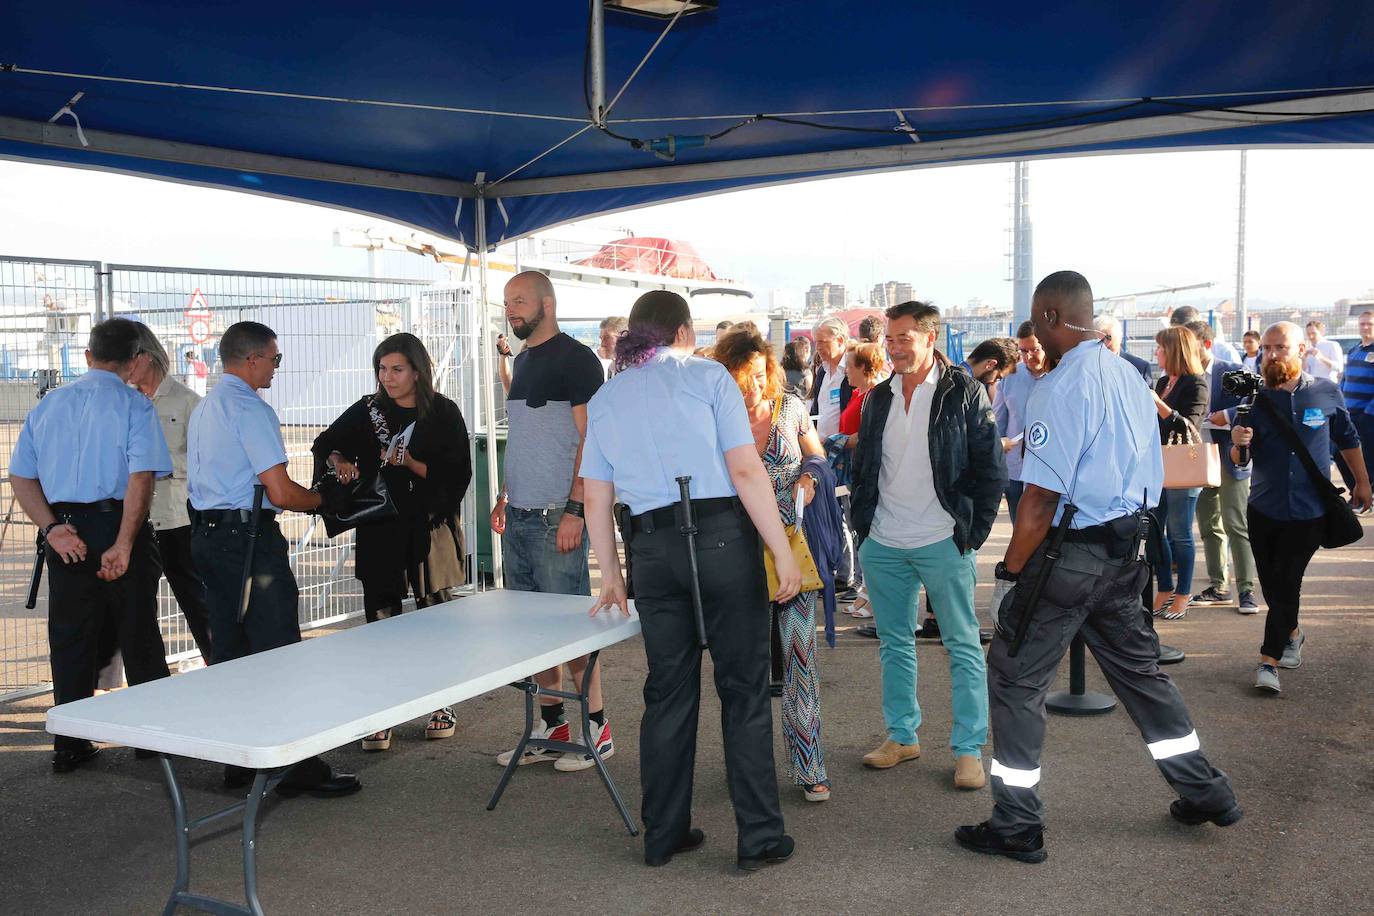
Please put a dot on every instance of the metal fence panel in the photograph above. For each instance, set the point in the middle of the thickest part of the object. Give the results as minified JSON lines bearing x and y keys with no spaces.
{"x":46,"y":310}
{"x":327,"y":328}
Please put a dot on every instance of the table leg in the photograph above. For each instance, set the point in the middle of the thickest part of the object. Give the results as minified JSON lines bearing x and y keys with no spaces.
{"x":587,"y":739}
{"x":263,"y":782}
{"x":588,"y":743}
{"x":530,"y":689}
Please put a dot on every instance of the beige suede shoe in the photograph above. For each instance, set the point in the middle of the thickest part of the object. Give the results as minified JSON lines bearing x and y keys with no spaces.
{"x":968,"y":772}
{"x":890,"y":753}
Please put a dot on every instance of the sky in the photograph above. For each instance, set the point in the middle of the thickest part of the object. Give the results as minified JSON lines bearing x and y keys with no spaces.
{"x":1127,"y":222}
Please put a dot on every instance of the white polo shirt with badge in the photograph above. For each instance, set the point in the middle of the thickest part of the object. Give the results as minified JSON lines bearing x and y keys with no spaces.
{"x":828,"y":404}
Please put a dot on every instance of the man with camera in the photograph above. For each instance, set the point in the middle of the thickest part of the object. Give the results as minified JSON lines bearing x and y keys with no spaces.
{"x":1221,"y":509}
{"x":1286,"y":510}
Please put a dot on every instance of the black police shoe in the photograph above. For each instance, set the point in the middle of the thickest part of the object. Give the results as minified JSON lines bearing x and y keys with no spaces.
{"x":930,"y":629}
{"x":1028,"y":846}
{"x":66,"y":761}
{"x":780,"y":851}
{"x":692,"y":840}
{"x":1185,"y":812}
{"x":334,"y":786}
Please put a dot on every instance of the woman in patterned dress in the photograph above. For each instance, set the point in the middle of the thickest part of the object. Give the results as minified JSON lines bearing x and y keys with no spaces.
{"x":785,"y":438}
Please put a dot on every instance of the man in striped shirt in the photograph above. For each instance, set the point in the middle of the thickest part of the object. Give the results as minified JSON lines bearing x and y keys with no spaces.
{"x":1358,"y":386}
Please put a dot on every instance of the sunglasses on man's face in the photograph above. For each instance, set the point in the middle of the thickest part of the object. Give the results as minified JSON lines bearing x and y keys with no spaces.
{"x":276,"y":360}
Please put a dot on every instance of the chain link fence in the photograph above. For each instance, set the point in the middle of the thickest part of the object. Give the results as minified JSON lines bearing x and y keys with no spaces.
{"x":327,"y":327}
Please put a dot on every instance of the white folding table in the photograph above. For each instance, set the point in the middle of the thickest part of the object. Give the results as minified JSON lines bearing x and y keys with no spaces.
{"x":277,"y":708}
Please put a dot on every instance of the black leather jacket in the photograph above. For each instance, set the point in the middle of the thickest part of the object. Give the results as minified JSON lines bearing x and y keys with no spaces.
{"x":966,"y":457}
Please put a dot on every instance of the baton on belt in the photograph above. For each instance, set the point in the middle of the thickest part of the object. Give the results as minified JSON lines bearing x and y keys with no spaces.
{"x":1042,"y":575}
{"x":688,"y":529}
{"x":37,"y":572}
{"x":247,"y":586}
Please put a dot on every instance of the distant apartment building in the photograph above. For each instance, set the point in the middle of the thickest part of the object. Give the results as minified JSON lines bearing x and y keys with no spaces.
{"x":886,"y":295}
{"x":825,"y":297}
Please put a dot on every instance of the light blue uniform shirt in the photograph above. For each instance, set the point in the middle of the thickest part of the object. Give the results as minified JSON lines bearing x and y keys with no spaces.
{"x":233,"y":436}
{"x":1092,"y":435}
{"x":84,"y":439}
{"x":1013,"y":394}
{"x":674,"y":415}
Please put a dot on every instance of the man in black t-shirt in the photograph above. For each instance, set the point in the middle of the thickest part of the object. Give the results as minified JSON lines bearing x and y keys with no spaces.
{"x":539,"y":514}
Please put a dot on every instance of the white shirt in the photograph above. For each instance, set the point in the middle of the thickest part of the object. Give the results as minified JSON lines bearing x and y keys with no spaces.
{"x":828,"y":404}
{"x":909,"y":514}
{"x":1318,"y":369}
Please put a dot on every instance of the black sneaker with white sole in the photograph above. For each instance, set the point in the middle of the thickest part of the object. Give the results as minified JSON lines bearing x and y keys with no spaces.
{"x":1247,"y":604}
{"x":1212,"y":595}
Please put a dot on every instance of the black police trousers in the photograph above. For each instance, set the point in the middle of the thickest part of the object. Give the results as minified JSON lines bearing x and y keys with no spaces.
{"x":735,"y":607}
{"x":187,"y":585}
{"x":1090,"y":591}
{"x":219,"y":550}
{"x":81,"y":606}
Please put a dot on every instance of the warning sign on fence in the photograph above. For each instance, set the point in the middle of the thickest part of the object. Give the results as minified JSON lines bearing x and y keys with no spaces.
{"x":198,"y":317}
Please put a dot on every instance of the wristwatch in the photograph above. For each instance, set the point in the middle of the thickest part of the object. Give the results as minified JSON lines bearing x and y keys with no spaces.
{"x":1000,"y":571}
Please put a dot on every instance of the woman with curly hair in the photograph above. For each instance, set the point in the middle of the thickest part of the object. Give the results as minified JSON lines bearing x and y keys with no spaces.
{"x":784,"y":437}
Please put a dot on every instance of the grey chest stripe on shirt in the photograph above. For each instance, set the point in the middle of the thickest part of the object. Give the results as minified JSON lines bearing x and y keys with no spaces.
{"x":540,"y":453}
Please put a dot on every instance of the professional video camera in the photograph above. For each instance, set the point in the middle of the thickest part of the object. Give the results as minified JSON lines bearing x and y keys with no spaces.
{"x":1242,"y":384}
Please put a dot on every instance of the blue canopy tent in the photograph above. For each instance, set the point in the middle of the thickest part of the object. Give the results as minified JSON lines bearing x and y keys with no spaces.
{"x":487,"y":122}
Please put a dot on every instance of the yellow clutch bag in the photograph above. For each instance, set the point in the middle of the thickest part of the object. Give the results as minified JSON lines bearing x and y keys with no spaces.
{"x":801,"y":552}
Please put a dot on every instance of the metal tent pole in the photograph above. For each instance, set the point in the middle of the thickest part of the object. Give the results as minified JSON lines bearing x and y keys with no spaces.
{"x":485,"y":379}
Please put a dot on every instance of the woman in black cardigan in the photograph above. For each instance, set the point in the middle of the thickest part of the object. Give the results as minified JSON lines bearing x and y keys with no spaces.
{"x":1181,"y":398}
{"x":427,"y":472}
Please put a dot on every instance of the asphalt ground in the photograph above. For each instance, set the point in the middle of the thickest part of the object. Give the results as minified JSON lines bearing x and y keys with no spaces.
{"x":418,"y":839}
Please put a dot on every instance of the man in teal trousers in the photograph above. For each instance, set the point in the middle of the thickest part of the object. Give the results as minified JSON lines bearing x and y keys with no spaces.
{"x":928,"y":475}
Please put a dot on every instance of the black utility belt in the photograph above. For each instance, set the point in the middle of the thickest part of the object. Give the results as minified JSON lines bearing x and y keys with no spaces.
{"x":229,"y":516}
{"x":670,"y":516}
{"x":1107,"y":534}
{"x":101,"y":505}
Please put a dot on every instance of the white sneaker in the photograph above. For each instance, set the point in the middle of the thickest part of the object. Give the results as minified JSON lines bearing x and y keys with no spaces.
{"x":560,"y":732}
{"x":605,"y":747}
{"x":1292,"y":652}
{"x":1267,"y":678}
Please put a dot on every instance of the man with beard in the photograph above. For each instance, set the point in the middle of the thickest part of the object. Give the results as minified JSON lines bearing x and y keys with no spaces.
{"x":1092,"y":444}
{"x":1285,"y":513}
{"x":540,"y":514}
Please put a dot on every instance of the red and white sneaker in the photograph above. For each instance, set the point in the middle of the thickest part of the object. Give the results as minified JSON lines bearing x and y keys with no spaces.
{"x":560,"y":732}
{"x":571,"y":763}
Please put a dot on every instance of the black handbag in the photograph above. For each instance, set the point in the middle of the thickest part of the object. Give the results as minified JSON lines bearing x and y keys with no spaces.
{"x":368,"y":501}
{"x":1340,"y":524}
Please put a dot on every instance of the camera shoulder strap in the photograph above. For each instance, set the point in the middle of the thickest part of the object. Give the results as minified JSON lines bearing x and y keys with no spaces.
{"x":1290,"y":436}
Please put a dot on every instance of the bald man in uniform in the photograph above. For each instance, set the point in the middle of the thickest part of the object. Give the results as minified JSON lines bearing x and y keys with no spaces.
{"x":1091,"y":443}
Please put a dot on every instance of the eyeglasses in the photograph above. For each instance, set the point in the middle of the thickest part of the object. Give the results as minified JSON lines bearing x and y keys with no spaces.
{"x":276,"y":360}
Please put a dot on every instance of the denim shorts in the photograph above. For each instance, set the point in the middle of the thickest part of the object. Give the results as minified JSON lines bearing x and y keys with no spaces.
{"x":532,"y":562}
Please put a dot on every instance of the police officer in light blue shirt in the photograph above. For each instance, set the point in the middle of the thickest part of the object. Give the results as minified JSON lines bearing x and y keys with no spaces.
{"x":1092,"y":442}
{"x":83,"y":470}
{"x":233,"y":444}
{"x":667,"y":414}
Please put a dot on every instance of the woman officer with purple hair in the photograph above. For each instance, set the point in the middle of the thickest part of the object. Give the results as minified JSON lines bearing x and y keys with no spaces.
{"x":667,"y":414}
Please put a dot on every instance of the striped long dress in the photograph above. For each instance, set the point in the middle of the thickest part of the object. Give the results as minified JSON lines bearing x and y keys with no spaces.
{"x":801,"y":697}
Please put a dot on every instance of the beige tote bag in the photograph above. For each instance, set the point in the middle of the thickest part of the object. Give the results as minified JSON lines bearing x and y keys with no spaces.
{"x":1191,"y":463}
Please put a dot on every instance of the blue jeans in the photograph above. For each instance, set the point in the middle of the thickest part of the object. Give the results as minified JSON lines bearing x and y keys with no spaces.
{"x":532,"y":561}
{"x":895,"y":578}
{"x":1177,"y":509}
{"x":1013,"y":491}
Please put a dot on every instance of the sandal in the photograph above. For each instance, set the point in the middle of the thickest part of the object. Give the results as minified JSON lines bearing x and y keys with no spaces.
{"x":817,"y":793}
{"x":1161,"y":606}
{"x":862,"y":608}
{"x":442,"y":724}
{"x":378,"y":741}
{"x":1180,"y":613}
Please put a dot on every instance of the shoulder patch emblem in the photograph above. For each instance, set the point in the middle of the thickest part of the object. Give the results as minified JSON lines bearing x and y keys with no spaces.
{"x":1038,"y":435}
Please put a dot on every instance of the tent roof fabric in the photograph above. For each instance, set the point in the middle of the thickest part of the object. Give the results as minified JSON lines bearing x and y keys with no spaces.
{"x":419,"y":115}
